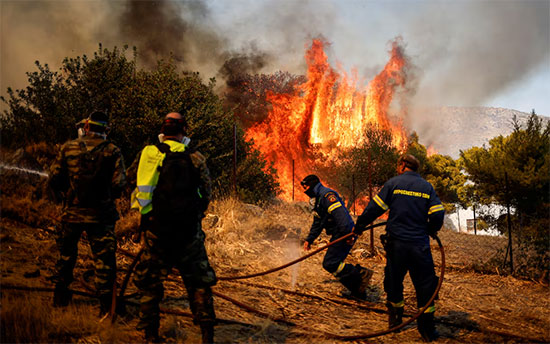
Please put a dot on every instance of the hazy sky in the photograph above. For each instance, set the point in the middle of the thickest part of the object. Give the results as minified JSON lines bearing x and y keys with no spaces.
{"x":466,"y":53}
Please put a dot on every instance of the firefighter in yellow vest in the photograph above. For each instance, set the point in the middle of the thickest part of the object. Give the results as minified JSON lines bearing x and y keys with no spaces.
{"x":172,"y":238}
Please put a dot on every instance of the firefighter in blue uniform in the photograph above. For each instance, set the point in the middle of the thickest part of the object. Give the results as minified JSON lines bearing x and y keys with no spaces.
{"x":415,"y":214}
{"x":331,"y":214}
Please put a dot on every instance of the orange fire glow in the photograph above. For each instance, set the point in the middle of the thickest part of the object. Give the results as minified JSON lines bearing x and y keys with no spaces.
{"x":430,"y":150}
{"x":327,"y":113}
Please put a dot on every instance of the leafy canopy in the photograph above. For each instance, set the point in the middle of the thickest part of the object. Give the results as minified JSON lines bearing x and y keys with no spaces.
{"x":136,"y":101}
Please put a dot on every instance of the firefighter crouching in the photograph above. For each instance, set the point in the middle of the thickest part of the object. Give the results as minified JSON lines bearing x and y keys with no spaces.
{"x":87,"y":176}
{"x":171,"y":232}
{"x":331,"y":214}
{"x":415,"y":214}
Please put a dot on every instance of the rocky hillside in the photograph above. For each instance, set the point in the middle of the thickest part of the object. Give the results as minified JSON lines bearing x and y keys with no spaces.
{"x":451,"y":129}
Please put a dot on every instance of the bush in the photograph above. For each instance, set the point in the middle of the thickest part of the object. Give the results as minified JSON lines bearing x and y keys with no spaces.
{"x":136,"y":101}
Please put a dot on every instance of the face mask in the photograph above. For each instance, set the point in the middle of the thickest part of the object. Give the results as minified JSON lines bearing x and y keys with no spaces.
{"x":312,"y":202}
{"x":185,"y":140}
{"x":310,"y":192}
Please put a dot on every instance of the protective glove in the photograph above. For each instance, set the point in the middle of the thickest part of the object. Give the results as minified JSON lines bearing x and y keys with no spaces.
{"x":358,"y":230}
{"x":432,"y":233}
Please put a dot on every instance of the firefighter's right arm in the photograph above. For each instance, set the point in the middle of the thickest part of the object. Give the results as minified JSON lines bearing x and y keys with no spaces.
{"x":199,"y":161}
{"x":58,"y":183}
{"x":119,"y":181}
{"x":316,"y":229}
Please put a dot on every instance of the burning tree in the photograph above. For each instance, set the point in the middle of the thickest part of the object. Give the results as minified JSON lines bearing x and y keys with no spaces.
{"x":329,"y":114}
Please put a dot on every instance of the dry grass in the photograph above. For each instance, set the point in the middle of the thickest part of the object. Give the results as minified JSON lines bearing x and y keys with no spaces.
{"x":239,"y":235}
{"x":243,"y":239}
{"x":29,"y":318}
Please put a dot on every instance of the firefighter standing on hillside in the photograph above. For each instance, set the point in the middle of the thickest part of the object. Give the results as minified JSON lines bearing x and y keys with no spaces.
{"x":163,"y":241}
{"x":415,"y":214}
{"x":88,"y":175}
{"x":331,"y":214}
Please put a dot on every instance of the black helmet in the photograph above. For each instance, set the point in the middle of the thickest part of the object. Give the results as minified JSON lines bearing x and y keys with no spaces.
{"x":308,"y":183}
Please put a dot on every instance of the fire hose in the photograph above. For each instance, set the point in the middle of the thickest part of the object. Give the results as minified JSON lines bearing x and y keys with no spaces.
{"x":347,"y":236}
{"x":328,"y":334}
{"x":411,"y":319}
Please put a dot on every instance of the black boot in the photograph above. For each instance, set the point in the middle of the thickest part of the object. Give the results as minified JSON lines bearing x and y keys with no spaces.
{"x":104,"y":304}
{"x":62,"y":297}
{"x":207,"y":332}
{"x":202,"y":307}
{"x":426,"y":327}
{"x":365,"y":275}
{"x":356,"y":281}
{"x":395,"y":315}
{"x":152,"y":335}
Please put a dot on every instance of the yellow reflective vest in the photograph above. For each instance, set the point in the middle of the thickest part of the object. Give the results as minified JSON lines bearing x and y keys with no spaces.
{"x":148,"y":175}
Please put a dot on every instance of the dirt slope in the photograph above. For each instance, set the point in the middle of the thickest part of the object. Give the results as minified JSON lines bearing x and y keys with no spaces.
{"x":303,"y":301}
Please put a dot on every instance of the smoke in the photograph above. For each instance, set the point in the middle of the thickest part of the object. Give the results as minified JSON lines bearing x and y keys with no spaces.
{"x":472,"y":52}
{"x":468,"y":51}
{"x":166,"y":29}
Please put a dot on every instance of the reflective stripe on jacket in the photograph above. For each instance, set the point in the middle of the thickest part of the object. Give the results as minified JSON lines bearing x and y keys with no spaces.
{"x":148,"y":175}
{"x":414,"y":208}
{"x":332,"y":215}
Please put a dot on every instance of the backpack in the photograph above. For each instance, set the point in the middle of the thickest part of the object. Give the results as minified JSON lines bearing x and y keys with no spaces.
{"x":92,"y":182}
{"x":176,"y":198}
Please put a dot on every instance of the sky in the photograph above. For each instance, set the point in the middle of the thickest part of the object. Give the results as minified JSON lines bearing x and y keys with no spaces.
{"x":464,"y":53}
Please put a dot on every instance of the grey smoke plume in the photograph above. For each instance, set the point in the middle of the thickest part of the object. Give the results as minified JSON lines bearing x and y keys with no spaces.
{"x":471,"y":51}
{"x":468,"y":51}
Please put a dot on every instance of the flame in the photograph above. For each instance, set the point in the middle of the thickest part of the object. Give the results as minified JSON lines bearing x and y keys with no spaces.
{"x":430,"y":150}
{"x":327,"y":113}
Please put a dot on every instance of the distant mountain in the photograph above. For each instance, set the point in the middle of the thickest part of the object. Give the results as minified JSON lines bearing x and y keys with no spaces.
{"x":451,"y":129}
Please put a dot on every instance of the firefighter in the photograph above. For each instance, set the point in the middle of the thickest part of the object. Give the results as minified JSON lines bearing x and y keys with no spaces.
{"x":331,"y":214}
{"x":87,"y":176}
{"x":164,"y":243}
{"x":415,"y":214}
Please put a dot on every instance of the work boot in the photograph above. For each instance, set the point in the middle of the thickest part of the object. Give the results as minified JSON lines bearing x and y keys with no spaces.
{"x":152,"y":335}
{"x":207,"y":332}
{"x":426,"y":327}
{"x":356,"y":281}
{"x":365,"y":277}
{"x":395,"y":315}
{"x":104,"y":304}
{"x":62,"y":297}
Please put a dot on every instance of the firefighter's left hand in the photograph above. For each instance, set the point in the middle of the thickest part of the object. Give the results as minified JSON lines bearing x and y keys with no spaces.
{"x":351,"y":240}
{"x":358,"y":231}
{"x":307,"y":246}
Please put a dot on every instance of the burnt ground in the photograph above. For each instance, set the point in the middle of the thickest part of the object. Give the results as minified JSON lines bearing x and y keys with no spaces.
{"x":303,"y":301}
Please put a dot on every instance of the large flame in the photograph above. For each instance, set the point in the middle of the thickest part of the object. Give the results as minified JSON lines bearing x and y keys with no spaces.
{"x":327,"y":113}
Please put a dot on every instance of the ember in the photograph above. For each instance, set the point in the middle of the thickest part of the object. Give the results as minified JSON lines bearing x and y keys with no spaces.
{"x":328,"y":113}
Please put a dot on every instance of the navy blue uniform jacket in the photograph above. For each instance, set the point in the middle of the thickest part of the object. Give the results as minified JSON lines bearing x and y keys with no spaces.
{"x":330,"y":213}
{"x":415,"y":209}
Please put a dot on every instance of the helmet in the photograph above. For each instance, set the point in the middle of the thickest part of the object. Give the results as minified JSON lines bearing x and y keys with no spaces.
{"x":310,"y":181}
